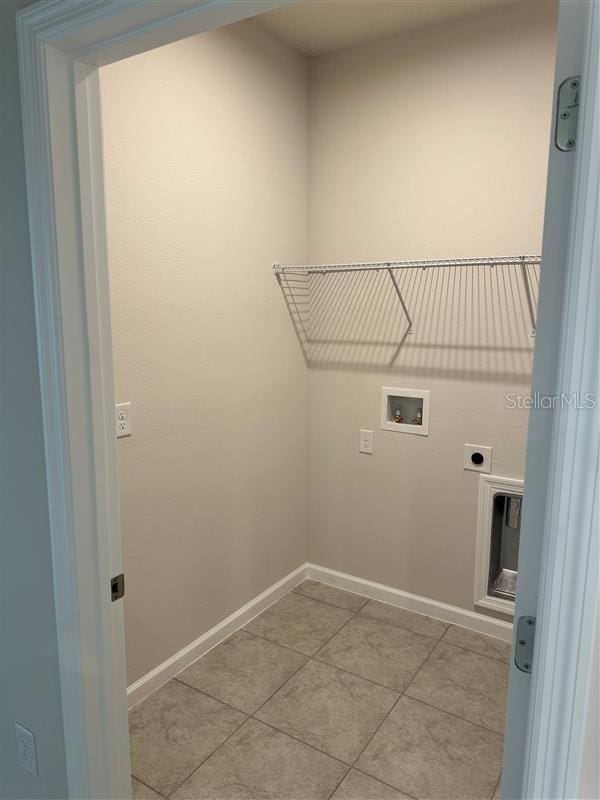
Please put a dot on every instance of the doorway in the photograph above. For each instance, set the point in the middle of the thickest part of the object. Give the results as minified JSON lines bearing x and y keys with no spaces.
{"x":272,"y":160}
{"x":107,"y":430}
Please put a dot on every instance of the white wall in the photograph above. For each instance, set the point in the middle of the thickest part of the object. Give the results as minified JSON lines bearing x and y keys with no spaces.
{"x":206,"y":153}
{"x":432,"y":145}
{"x":29,"y":678}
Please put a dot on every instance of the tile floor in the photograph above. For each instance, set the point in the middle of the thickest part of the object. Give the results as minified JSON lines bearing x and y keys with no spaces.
{"x":328,"y":695}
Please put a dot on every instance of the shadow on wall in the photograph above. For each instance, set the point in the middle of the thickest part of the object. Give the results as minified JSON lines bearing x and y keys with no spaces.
{"x":472,"y":322}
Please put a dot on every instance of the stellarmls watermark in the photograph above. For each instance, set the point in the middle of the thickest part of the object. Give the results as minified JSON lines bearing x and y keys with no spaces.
{"x":575,"y":400}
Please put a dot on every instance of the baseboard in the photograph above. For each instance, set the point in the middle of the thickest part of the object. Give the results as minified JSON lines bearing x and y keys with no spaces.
{"x":412,"y":602}
{"x":154,"y":679}
{"x":375,"y":591}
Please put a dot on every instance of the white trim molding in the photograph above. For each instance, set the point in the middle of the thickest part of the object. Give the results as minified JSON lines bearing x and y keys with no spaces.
{"x":489,"y":487}
{"x":154,"y":679}
{"x":479,"y":623}
{"x":158,"y":676}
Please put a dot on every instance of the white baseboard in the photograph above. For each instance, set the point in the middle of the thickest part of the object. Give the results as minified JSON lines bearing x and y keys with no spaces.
{"x":412,"y":602}
{"x":154,"y":679}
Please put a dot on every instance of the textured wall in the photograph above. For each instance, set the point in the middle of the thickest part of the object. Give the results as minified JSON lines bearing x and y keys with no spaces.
{"x":29,"y":678}
{"x":432,"y":145}
{"x":206,"y":175}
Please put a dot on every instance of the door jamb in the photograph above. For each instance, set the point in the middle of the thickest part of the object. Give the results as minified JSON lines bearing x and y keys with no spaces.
{"x":569,"y":586}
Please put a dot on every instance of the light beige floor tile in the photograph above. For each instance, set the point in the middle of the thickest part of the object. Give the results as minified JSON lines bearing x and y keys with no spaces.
{"x":243,"y":671}
{"x":141,"y":792}
{"x":430,"y":754}
{"x":357,"y":786}
{"x":478,"y":643}
{"x":380,"y":652}
{"x":173,"y":731}
{"x":466,"y":684}
{"x":332,"y":595}
{"x":299,"y":622}
{"x":418,"y":623}
{"x":260,"y":762}
{"x":330,"y":709}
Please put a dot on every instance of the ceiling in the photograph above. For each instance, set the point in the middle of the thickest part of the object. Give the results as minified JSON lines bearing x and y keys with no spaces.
{"x":315,"y":27}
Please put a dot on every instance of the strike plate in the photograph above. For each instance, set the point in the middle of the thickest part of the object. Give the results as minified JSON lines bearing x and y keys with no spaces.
{"x":567,"y":113}
{"x":117,"y":587}
{"x":525,"y":642}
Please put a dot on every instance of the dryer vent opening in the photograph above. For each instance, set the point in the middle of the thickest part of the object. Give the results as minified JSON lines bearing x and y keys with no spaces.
{"x":504,"y":546}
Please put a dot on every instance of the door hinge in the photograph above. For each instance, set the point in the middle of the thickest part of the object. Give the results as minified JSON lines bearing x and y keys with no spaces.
{"x":567,"y":113}
{"x":117,"y":587}
{"x":525,"y":643}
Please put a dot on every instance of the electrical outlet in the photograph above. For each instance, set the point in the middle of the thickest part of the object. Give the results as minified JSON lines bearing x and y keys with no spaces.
{"x":477,"y":458}
{"x":123,"y":419}
{"x":26,"y":749}
{"x":365,"y":442}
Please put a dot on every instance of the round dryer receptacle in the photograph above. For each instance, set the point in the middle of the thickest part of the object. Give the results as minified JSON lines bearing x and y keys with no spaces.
{"x":477,"y":459}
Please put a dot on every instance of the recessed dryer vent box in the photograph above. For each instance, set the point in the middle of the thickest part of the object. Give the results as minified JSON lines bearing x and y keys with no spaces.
{"x":405,"y":410}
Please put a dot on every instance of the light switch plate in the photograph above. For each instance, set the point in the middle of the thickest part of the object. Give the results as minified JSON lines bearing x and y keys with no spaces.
{"x":365,"y":442}
{"x":477,"y":458}
{"x":123,"y":419}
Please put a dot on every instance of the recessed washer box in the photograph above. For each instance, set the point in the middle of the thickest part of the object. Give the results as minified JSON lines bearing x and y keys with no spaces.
{"x":405,"y":410}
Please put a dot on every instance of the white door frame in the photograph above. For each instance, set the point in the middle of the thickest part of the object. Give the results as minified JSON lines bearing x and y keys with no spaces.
{"x":61,"y":45}
{"x":558,"y":557}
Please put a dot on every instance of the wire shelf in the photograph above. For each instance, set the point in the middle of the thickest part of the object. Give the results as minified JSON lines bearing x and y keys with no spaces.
{"x":379,"y":304}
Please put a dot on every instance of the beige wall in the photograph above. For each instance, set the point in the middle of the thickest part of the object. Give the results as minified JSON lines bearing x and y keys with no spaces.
{"x":206,"y":175}
{"x":432,"y":145}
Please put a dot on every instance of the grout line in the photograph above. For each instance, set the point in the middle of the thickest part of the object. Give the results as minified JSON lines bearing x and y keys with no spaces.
{"x":443,"y":710}
{"x":204,"y":760}
{"x":356,"y":675}
{"x":496,"y":786}
{"x":272,"y":695}
{"x":376,"y":731}
{"x":412,"y":680}
{"x":307,"y":744}
{"x":147,"y":785}
{"x":308,"y":658}
{"x":385,"y":783}
{"x":456,"y":716}
{"x":272,"y":641}
{"x":296,"y":590}
{"x":212,"y":697}
{"x":476,"y":652}
{"x":339,"y":783}
{"x":404,"y":627}
{"x":377,"y":778}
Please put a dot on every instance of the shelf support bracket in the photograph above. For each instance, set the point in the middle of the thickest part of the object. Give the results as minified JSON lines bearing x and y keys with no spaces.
{"x":294,"y":313}
{"x":528,"y":295}
{"x":401,"y":299}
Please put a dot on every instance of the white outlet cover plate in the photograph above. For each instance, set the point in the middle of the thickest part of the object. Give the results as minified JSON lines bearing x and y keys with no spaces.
{"x":26,"y":748}
{"x":123,"y":419}
{"x":486,"y":452}
{"x":365,"y":442}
